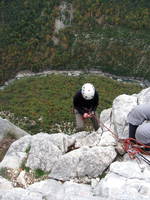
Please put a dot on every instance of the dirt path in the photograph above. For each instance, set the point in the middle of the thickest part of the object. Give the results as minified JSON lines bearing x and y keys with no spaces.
{"x":22,"y":74}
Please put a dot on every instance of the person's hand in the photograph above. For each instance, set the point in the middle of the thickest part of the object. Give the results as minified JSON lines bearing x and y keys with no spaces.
{"x":92,"y":113}
{"x":86,"y":115}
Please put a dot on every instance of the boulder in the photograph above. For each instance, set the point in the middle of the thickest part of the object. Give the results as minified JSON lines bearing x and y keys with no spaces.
{"x":9,"y":129}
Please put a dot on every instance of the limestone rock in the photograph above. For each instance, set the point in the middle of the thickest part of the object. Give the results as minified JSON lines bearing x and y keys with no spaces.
{"x":9,"y":129}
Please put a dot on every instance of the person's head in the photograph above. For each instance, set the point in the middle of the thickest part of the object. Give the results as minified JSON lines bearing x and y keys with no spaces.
{"x":88,"y":91}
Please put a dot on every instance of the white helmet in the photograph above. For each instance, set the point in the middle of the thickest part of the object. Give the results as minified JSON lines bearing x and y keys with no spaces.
{"x":88,"y":91}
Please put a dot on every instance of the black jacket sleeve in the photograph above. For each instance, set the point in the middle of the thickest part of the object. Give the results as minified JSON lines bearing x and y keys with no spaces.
{"x":76,"y":103}
{"x":96,"y":101}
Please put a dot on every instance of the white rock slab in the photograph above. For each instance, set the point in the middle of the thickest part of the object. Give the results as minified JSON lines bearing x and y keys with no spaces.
{"x":9,"y":129}
{"x":120,"y":109}
{"x":5,"y":184}
{"x":17,"y":153}
{"x":82,"y":162}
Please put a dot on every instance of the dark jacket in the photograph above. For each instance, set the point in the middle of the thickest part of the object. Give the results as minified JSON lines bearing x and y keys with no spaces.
{"x":83,"y":105}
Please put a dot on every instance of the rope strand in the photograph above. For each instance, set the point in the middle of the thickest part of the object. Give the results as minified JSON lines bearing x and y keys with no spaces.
{"x":131,"y":146}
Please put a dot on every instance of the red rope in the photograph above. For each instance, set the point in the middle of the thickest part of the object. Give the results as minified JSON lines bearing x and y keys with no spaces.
{"x":130,"y":145}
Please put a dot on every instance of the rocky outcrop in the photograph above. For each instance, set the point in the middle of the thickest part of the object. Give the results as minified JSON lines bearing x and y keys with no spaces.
{"x":125,"y":180}
{"x":9,"y":129}
{"x":82,"y":166}
{"x":50,"y":154}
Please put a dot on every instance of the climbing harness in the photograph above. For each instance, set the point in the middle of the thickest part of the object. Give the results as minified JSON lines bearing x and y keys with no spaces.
{"x":134,"y":148}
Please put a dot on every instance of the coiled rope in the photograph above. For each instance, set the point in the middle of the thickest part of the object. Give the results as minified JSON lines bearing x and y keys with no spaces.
{"x":134,"y":148}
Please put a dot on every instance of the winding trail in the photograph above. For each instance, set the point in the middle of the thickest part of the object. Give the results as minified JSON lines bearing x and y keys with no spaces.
{"x":22,"y":74}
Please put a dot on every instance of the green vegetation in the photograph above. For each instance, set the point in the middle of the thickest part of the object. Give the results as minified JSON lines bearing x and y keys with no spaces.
{"x":45,"y":103}
{"x":39,"y":173}
{"x":111,"y":35}
{"x":27,"y":169}
{"x":103,"y":175}
{"x":28,"y":149}
{"x":23,"y":167}
{"x":4,"y":173}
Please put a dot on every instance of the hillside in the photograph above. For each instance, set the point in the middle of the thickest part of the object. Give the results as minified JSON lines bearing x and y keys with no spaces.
{"x":45,"y":103}
{"x":110,"y":35}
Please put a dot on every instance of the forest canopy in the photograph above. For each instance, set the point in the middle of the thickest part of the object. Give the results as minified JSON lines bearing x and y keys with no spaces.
{"x":110,"y":35}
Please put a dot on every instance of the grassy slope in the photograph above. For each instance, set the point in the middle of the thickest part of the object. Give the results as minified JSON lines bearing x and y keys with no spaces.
{"x":37,"y":104}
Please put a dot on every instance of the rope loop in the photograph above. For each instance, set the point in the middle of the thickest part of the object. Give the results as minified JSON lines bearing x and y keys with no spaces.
{"x":131,"y":146}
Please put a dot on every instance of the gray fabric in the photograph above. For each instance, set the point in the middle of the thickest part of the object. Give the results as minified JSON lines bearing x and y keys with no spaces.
{"x":79,"y":121}
{"x":95,"y":122}
{"x":143,"y":133}
{"x":139,"y":114}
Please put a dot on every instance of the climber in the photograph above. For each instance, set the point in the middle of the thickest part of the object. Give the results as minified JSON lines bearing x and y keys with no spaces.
{"x":139,"y":128}
{"x":85,"y":103}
